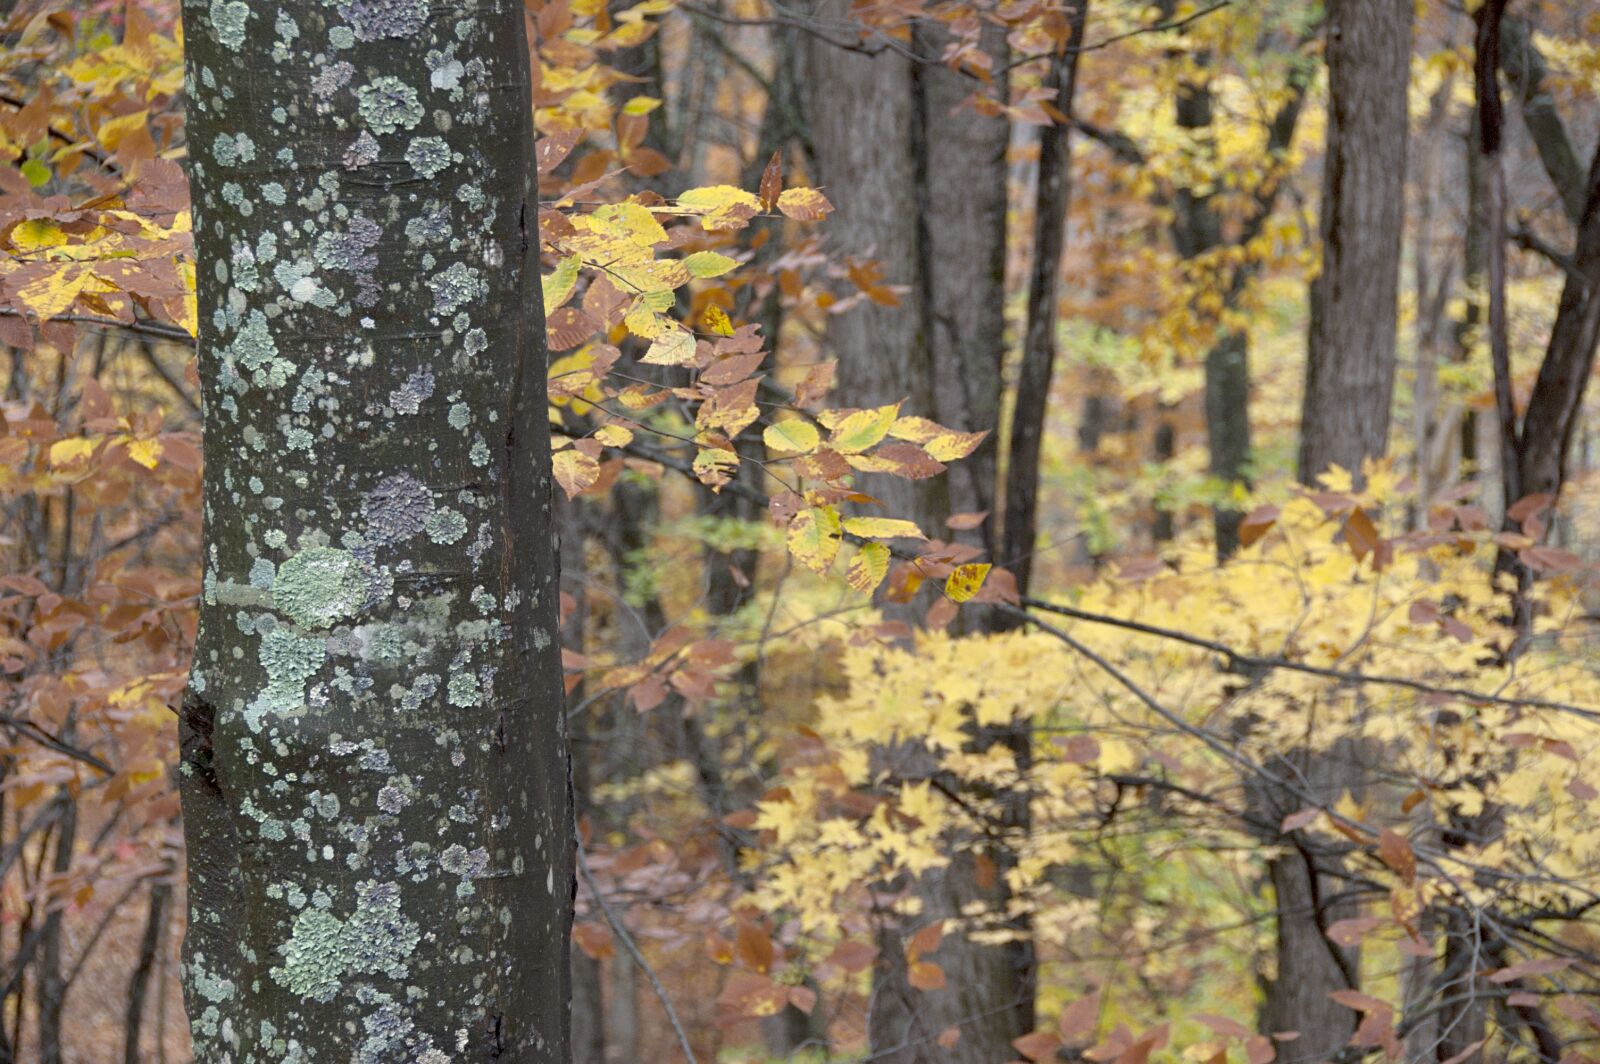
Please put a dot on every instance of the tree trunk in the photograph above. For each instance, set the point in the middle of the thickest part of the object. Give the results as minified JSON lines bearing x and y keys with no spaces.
{"x":375,"y":775}
{"x":903,"y":155}
{"x":962,"y":211}
{"x":866,"y":159}
{"x":1354,"y":300}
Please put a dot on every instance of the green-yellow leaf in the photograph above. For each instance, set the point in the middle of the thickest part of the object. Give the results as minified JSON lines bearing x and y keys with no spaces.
{"x":37,"y":173}
{"x":708,"y":264}
{"x":558,"y":286}
{"x":814,"y":537}
{"x":614,"y":435}
{"x":868,"y":567}
{"x":641,"y":105}
{"x":793,"y":436}
{"x":882,"y":528}
{"x":863,"y":429}
{"x":966,"y":581}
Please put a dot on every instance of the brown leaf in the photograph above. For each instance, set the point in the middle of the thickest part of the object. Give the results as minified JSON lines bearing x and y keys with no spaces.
{"x":1040,"y":1045}
{"x":926,"y":975}
{"x":1079,"y":1019}
{"x":754,"y":946}
{"x":1395,"y":851}
{"x":1539,"y":966}
{"x":1257,"y":523}
{"x":1361,"y":534}
{"x":772,"y":182}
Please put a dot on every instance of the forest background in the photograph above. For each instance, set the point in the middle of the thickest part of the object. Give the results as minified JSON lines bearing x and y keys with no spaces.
{"x":1078,"y":537}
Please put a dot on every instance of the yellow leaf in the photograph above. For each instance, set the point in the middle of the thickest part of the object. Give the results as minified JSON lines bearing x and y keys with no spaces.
{"x":966,"y":581}
{"x":804,"y":204}
{"x":814,"y":537}
{"x":113,"y":130}
{"x":868,"y":567}
{"x":882,"y":528}
{"x":721,"y":206}
{"x":715,"y":467}
{"x":36,"y":234}
{"x":708,"y":264}
{"x":145,"y":452}
{"x":673,"y":347}
{"x":54,"y":293}
{"x":793,"y":436}
{"x":716,"y":319}
{"x":640,"y":105}
{"x":575,"y":471}
{"x":1116,"y":756}
{"x":70,"y":451}
{"x":950,"y":446}
{"x":614,"y":435}
{"x":643,"y":321}
{"x":630,"y":220}
{"x":863,"y":429}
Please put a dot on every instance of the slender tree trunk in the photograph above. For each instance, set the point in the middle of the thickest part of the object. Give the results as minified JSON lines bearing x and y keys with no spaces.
{"x":375,"y":775}
{"x":588,"y":994}
{"x":1350,"y":364}
{"x":52,"y":982}
{"x":1053,"y":196}
{"x":155,"y":927}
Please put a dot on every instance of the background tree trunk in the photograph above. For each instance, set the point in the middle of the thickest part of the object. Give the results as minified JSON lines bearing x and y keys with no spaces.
{"x":1355,"y":299}
{"x":375,"y":770}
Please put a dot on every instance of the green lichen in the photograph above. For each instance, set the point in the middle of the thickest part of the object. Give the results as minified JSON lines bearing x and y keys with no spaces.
{"x":388,"y":104}
{"x":289,"y":660}
{"x":256,"y":350}
{"x":463,"y":691}
{"x":228,"y":18}
{"x":312,"y":958}
{"x":445,"y":525}
{"x":429,"y":156}
{"x":319,"y":586}
{"x":377,"y":939}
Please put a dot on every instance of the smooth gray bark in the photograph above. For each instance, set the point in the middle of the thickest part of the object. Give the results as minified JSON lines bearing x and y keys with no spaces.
{"x":375,"y":775}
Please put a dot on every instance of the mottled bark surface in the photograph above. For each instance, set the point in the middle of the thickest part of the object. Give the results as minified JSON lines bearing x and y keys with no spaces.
{"x":1354,"y":300}
{"x":375,"y":776}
